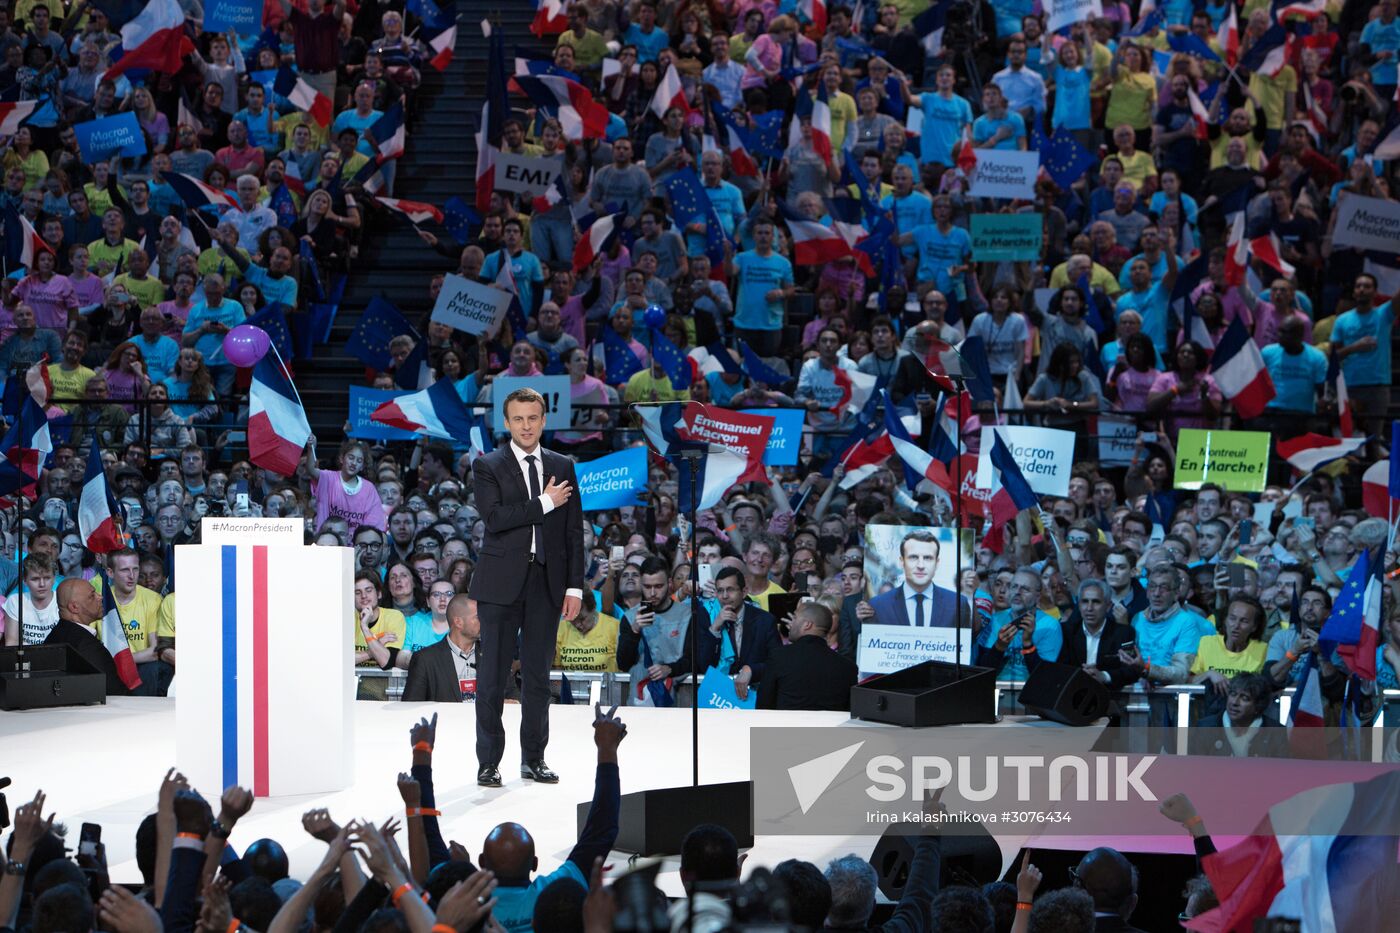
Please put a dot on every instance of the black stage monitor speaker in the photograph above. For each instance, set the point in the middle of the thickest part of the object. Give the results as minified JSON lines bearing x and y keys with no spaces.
{"x":977,"y":856}
{"x":1064,"y":693}
{"x":928,"y":694}
{"x":41,"y":676}
{"x":653,"y":822}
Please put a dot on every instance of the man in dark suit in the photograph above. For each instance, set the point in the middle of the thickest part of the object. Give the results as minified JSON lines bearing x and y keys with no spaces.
{"x":445,"y":671}
{"x":529,"y":575}
{"x":752,"y":632}
{"x":1108,"y":638}
{"x":918,"y":601}
{"x":79,"y":607}
{"x":1111,"y":880}
{"x":807,"y":674}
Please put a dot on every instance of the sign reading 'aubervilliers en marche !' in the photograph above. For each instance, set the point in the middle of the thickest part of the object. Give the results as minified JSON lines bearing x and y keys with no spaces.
{"x":1006,"y":237}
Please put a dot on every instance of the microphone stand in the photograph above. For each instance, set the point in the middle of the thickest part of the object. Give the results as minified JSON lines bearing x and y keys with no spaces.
{"x":692,"y":457}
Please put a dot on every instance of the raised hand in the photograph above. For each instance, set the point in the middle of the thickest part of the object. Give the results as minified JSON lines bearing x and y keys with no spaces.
{"x":234,"y":805}
{"x":608,"y":731}
{"x":319,"y":825}
{"x":216,"y":914}
{"x":424,"y":731}
{"x":30,"y":827}
{"x":466,"y":902}
{"x":1027,"y":880}
{"x":123,"y":912}
{"x":410,"y":790}
{"x":558,"y":492}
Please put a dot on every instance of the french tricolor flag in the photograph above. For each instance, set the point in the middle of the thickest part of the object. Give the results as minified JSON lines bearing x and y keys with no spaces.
{"x":33,"y":244}
{"x":113,"y":633}
{"x":154,"y":40}
{"x":436,"y":411}
{"x":493,"y":117}
{"x":303,"y":95}
{"x":813,"y":244}
{"x":197,"y":194}
{"x":580,"y":116}
{"x":821,"y":122}
{"x":388,"y":134}
{"x":550,"y":18}
{"x":417,"y":212}
{"x":1199,"y":112}
{"x":669,"y":93}
{"x":13,"y":114}
{"x":1228,"y":36}
{"x":863,"y":458}
{"x":444,"y":44}
{"x":856,"y":388}
{"x":1320,"y":857}
{"x":1239,"y":371}
{"x":25,"y":447}
{"x":1309,"y":452}
{"x":277,"y":425}
{"x":97,"y":508}
{"x":596,"y":240}
{"x":735,"y":140}
{"x":814,"y":12}
{"x":1010,"y":491}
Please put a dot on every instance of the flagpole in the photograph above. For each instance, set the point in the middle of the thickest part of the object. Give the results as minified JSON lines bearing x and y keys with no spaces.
{"x":272,"y":345}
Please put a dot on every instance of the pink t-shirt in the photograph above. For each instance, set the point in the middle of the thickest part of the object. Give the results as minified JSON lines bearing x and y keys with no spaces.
{"x":89,"y":290}
{"x":1133,"y":388}
{"x":1185,"y":409}
{"x":175,"y":318}
{"x":332,"y":501}
{"x":51,"y":300}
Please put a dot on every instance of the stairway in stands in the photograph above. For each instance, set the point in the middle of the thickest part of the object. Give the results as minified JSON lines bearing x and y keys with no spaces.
{"x":440,"y":163}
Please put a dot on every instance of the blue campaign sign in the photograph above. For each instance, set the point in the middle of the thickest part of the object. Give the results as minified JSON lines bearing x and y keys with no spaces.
{"x":785,"y":442}
{"x":363,"y":402}
{"x":242,"y":16}
{"x":613,"y":481}
{"x":717,"y":692}
{"x":99,"y":140}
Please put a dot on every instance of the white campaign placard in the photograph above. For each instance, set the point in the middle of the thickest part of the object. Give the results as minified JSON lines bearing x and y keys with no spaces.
{"x":527,"y":175}
{"x":884,"y":649}
{"x":1068,"y":12}
{"x":1045,"y":456}
{"x":1117,"y":440}
{"x":1367,"y":223}
{"x":1005,"y":173}
{"x":558,"y":399}
{"x":470,"y":307}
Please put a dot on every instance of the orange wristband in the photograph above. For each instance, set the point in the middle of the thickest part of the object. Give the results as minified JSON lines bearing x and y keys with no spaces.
{"x":422,"y":747}
{"x":234,"y":925}
{"x":381,"y":636}
{"x":1023,"y":905}
{"x":421,"y":811}
{"x":1192,"y":821}
{"x":195,"y":836}
{"x":1290,"y":656}
{"x":399,"y":892}
{"x":443,"y":928}
{"x":1030,"y":650}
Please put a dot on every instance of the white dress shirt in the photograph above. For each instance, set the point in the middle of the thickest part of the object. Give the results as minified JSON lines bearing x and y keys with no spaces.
{"x":546,"y":503}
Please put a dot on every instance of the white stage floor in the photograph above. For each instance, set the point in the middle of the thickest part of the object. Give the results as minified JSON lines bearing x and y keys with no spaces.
{"x":104,"y":765}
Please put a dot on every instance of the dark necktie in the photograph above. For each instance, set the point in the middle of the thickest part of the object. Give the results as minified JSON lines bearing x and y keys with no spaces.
{"x":918,"y":610}
{"x":535,"y":494}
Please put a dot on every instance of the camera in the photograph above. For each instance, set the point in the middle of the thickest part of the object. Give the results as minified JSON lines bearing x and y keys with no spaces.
{"x":962,"y":28}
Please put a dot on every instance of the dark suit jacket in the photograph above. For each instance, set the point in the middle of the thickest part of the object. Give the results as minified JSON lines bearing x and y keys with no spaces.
{"x":891,"y":609}
{"x":760,"y":640}
{"x":511,"y":514}
{"x":432,"y":675}
{"x":807,"y":674}
{"x":91,"y":649}
{"x":1207,"y":737}
{"x":1113,"y":637}
{"x":848,"y":627}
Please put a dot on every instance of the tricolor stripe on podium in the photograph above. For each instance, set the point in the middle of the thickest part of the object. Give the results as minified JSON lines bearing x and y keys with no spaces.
{"x":243,"y":643}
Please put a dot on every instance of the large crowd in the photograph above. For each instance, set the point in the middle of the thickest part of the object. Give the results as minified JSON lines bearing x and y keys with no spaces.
{"x":1212,"y":162}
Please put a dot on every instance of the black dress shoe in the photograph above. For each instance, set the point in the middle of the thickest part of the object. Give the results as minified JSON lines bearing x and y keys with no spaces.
{"x":489,"y":776}
{"x":538,"y":772}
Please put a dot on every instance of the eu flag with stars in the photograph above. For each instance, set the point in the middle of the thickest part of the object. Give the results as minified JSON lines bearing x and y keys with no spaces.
{"x":313,"y":270}
{"x":759,"y":371}
{"x":273,"y":320}
{"x":690,"y":203}
{"x":458,"y":217}
{"x":720,"y":354}
{"x":284,"y":206}
{"x":1343,"y":625}
{"x":669,"y":356}
{"x":1154,"y":20}
{"x":1091,"y":308}
{"x":768,"y":134}
{"x":380,"y":322}
{"x":621,"y":363}
{"x":1063,"y":159}
{"x":434,"y":19}
{"x":1191,"y":44}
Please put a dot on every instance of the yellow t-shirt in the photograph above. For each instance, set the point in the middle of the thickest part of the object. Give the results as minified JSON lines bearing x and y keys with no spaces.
{"x":1099,"y":277}
{"x":855,"y":193}
{"x":1130,"y":100}
{"x":843,"y":112}
{"x":645,"y":387}
{"x":149,"y":291}
{"x":596,"y":651}
{"x":99,"y":251}
{"x":1212,"y":655}
{"x":762,"y":598}
{"x":165,"y":621}
{"x":1253,"y":150}
{"x":140,"y":617}
{"x":99,"y":199}
{"x":35,"y":166}
{"x":1272,"y":91}
{"x":214,"y":259}
{"x":589,"y":51}
{"x":320,"y":135}
{"x":390,"y":620}
{"x":69,"y":383}
{"x":1138,"y":167}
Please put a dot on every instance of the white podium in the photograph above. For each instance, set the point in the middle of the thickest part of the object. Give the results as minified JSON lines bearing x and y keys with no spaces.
{"x":266,"y":666}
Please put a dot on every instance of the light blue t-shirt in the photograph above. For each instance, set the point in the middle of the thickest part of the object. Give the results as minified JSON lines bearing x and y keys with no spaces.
{"x":259,"y":133}
{"x":649,"y":45}
{"x":282,"y":290}
{"x":1152,"y":305}
{"x":419,"y":632}
{"x":229,"y":313}
{"x":1045,"y":635}
{"x":729,"y":208}
{"x":351,"y":119}
{"x":938,"y":251}
{"x":1371,"y":367}
{"x":526,"y":269}
{"x":756,"y":276}
{"x":159,"y":355}
{"x":1072,"y":98}
{"x":515,"y":907}
{"x":1159,"y":641}
{"x":1296,"y":377}
{"x":911,"y":212}
{"x":943,"y":126}
{"x":985,"y":127}
{"x":1382,"y":37}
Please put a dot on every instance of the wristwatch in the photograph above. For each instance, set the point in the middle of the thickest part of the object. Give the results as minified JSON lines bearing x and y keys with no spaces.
{"x":217,"y":830}
{"x":14,"y":868}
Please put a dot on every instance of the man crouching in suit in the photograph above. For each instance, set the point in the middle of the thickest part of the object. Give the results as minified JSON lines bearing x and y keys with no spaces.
{"x":529,"y":575}
{"x":445,"y":671}
{"x":918,"y":601}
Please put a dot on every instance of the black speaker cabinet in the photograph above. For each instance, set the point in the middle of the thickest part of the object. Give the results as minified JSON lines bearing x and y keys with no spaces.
{"x":653,"y":822}
{"x":1064,"y":693}
{"x":928,"y":694}
{"x":977,"y":855}
{"x":41,"y":676}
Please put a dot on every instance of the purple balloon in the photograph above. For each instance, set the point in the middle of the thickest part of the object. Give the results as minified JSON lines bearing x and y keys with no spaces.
{"x":246,"y":344}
